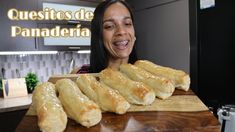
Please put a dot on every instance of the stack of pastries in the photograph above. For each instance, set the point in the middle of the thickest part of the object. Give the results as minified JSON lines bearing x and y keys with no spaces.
{"x":112,"y":91}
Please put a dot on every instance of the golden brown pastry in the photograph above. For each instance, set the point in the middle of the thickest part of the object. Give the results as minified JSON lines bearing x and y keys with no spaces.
{"x":76,"y":104}
{"x":51,"y":116}
{"x":104,"y":96}
{"x":180,"y":79}
{"x":133,"y":92}
{"x":162,"y":87}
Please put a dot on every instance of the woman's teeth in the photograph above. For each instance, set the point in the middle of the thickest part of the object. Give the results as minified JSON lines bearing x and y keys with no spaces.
{"x":121,"y":43}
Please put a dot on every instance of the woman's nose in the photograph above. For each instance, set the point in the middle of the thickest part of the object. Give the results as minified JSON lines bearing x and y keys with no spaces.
{"x":120,"y":30}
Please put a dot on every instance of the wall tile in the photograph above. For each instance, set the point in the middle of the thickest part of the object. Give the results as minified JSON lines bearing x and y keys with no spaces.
{"x":43,"y":65}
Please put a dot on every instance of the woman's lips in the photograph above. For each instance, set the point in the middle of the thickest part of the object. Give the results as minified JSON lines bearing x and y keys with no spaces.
{"x":121,"y":44}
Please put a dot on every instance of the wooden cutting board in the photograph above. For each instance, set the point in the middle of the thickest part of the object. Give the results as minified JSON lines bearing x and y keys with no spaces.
{"x":180,"y":103}
{"x":182,"y":112}
{"x":188,"y":114}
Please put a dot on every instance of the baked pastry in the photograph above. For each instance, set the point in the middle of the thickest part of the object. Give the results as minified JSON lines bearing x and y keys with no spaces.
{"x":162,"y":87}
{"x":180,"y":79}
{"x":76,"y":104}
{"x":50,"y":113}
{"x":104,"y":96}
{"x":134,"y":92}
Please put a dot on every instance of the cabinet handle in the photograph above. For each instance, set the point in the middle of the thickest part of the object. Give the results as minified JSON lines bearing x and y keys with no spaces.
{"x":73,"y":22}
{"x":36,"y":42}
{"x":74,"y":48}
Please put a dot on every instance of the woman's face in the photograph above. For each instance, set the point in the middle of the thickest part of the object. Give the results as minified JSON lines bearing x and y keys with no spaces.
{"x":118,"y":31}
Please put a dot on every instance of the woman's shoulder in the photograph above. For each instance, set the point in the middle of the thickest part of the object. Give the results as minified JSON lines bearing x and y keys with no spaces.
{"x":84,"y":69}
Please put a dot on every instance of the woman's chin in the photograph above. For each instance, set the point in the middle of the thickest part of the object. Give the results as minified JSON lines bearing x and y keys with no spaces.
{"x":123,"y":56}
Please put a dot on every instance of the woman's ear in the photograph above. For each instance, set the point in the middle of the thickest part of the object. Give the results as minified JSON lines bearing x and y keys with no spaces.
{"x":134,"y":38}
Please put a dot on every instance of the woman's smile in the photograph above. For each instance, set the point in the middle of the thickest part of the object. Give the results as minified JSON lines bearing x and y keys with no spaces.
{"x":121,"y":44}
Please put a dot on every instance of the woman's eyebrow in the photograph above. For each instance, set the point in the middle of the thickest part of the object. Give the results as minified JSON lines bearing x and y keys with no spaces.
{"x":108,"y":20}
{"x":112,"y":20}
{"x":128,"y":17}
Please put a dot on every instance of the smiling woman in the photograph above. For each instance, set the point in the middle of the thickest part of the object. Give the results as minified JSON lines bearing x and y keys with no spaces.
{"x":112,"y":36}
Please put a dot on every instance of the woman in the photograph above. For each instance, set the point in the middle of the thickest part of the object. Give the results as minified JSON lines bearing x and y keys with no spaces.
{"x":112,"y":36}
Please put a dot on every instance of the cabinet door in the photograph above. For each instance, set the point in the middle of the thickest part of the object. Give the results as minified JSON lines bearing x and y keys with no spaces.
{"x":140,"y":5}
{"x":88,"y":3}
{"x":8,"y":43}
{"x":60,"y":43}
{"x":63,"y":43}
{"x":162,"y":32}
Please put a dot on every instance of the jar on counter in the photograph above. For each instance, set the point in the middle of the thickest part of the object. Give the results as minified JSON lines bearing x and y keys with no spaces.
{"x":226,"y":116}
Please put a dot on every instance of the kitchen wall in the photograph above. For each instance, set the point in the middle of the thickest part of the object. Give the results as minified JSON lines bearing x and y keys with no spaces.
{"x":43,"y":65}
{"x":162,"y":31}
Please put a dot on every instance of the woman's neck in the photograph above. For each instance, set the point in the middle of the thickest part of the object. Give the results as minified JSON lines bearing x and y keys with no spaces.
{"x":115,"y":63}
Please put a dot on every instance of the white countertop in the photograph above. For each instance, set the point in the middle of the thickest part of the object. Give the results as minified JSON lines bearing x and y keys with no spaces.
{"x":13,"y":104}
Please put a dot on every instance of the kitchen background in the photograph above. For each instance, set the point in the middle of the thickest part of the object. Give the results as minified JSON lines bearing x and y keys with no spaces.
{"x":182,"y":34}
{"x":64,"y":56}
{"x":174,"y":33}
{"x":44,"y":65}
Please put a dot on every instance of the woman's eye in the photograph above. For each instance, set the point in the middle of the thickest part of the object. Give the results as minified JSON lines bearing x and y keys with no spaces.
{"x":109,"y":26}
{"x":128,"y":24}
